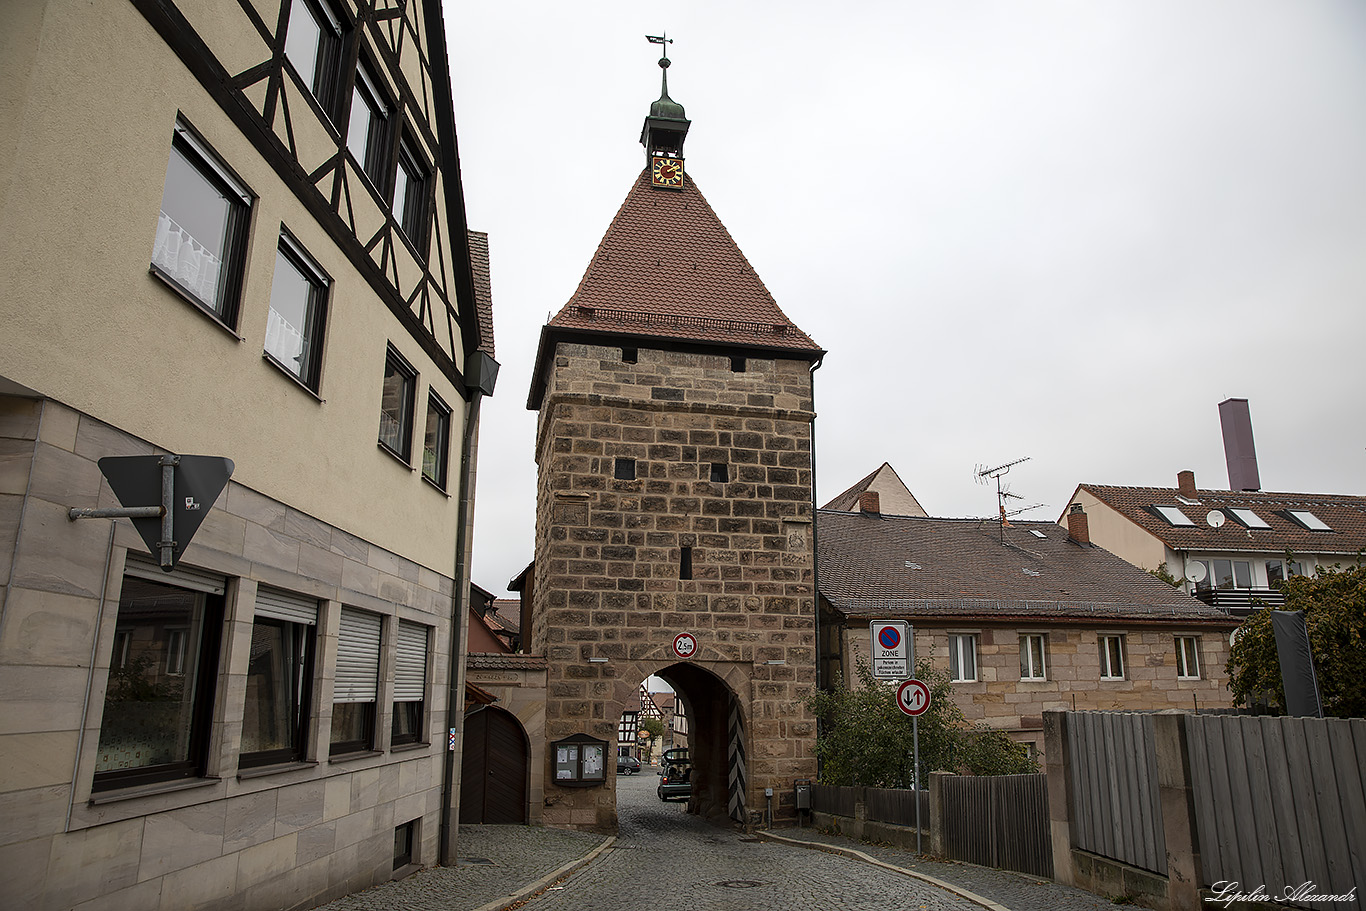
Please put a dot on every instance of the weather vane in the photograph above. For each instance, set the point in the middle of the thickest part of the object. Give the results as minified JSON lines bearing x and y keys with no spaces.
{"x":664,"y":40}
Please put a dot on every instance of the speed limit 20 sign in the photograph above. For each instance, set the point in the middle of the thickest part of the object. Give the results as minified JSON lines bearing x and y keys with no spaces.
{"x":913,"y":697}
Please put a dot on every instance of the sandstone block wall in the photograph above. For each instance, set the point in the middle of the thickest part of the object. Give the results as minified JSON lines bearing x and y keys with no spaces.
{"x":285,"y":837}
{"x":613,"y":553}
{"x":1001,"y":699}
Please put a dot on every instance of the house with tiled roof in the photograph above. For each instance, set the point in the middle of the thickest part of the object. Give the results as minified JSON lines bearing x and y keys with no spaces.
{"x":894,"y":497}
{"x":1230,"y":548}
{"x":1025,"y":617}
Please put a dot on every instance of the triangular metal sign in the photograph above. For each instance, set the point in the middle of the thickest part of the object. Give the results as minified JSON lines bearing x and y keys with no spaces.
{"x":198,"y":480}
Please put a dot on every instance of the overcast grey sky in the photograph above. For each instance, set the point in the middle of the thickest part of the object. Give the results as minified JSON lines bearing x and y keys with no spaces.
{"x":1062,"y":230}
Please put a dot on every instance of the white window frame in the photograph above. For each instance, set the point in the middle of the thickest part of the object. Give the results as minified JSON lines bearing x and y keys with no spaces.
{"x":957,"y":653}
{"x":1107,"y":669}
{"x":1027,"y":658}
{"x":1187,"y":654}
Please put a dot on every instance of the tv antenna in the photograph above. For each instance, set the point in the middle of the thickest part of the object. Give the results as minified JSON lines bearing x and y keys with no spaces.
{"x":1003,"y":494}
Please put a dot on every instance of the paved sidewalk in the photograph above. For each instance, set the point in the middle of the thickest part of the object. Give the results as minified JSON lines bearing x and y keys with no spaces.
{"x":994,"y":889}
{"x":498,"y":865}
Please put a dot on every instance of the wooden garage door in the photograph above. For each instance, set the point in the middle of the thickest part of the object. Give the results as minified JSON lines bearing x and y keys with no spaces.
{"x":493,"y":777}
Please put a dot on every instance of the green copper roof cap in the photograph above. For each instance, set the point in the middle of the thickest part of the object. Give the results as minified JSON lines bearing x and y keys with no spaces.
{"x":666,"y":108}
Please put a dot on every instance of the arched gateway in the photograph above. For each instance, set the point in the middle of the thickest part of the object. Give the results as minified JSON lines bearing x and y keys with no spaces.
{"x":674,"y":503}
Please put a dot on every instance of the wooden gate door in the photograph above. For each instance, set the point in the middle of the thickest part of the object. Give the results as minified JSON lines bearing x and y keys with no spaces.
{"x":493,"y":776}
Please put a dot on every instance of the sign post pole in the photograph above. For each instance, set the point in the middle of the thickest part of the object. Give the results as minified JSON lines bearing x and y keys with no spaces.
{"x":915,"y":777}
{"x":913,"y":698}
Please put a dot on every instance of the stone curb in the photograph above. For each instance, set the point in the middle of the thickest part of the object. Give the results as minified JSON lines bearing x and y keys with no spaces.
{"x":498,"y":904}
{"x":869,"y":859}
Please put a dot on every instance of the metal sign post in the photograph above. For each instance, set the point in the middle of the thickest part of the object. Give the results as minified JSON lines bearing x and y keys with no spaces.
{"x":913,"y":698}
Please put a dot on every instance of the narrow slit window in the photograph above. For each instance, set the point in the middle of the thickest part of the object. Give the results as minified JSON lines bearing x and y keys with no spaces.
{"x":685,"y":563}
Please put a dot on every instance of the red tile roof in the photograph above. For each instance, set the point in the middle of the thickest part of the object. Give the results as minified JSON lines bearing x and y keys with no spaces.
{"x":483,"y":288}
{"x":905,"y":566}
{"x":668,"y":268}
{"x":1345,"y":515}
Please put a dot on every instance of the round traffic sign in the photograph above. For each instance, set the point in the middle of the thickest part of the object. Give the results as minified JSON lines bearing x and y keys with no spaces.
{"x":685,"y":645}
{"x":889,"y":637}
{"x":913,"y":697}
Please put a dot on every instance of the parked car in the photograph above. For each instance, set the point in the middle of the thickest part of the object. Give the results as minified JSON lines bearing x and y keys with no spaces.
{"x":627,"y":765}
{"x":675,"y":781}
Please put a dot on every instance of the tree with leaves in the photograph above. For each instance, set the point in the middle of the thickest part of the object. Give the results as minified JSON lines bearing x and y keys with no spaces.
{"x":866,"y":740}
{"x":1334,"y":605}
{"x":655,"y":728}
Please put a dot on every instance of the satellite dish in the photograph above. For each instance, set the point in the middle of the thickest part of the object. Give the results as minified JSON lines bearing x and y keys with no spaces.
{"x":1196,"y":572}
{"x":1214,"y":518}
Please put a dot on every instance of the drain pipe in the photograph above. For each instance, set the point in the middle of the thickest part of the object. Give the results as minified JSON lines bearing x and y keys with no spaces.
{"x":481,"y":372}
{"x":815,"y":557}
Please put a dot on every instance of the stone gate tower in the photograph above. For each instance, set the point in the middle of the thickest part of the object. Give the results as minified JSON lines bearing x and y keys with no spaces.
{"x":674,"y":448}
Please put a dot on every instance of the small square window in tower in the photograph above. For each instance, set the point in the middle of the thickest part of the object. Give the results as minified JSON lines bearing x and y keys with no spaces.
{"x":720,"y":472}
{"x":624,"y":470}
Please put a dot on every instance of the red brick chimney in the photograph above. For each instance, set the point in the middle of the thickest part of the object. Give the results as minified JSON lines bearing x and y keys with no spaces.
{"x":1078,"y":527}
{"x":870,"y":502}
{"x":1185,"y":484}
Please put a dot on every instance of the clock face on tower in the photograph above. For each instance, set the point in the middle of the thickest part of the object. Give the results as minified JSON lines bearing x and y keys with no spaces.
{"x":667,"y":172}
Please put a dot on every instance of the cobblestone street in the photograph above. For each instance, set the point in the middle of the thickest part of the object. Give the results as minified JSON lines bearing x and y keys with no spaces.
{"x":665,"y":858}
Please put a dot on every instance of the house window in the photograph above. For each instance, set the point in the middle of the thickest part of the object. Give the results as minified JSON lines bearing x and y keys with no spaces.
{"x":1173,"y":515}
{"x":436,"y":441}
{"x":624,"y":469}
{"x":202,"y":229}
{"x":1232,"y":574}
{"x":158,"y":702}
{"x":720,"y":472}
{"x":410,"y":683}
{"x":1111,"y":657}
{"x":279,"y":679}
{"x":356,"y":684}
{"x":313,"y":46}
{"x":963,"y":657}
{"x":298,"y":302}
{"x":1307,"y":519}
{"x":396,"y":405}
{"x":1188,"y":657}
{"x":1031,"y":657}
{"x":1278,"y":571}
{"x":1247,"y":518}
{"x":367,"y":135}
{"x":405,"y":838}
{"x":410,"y":194}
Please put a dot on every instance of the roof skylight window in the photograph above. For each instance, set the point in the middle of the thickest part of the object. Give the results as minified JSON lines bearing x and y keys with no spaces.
{"x":1031,"y":572}
{"x":1036,"y":533}
{"x":1174,"y":515}
{"x":1247,"y":517}
{"x":1308,"y":519}
{"x":910,"y":565}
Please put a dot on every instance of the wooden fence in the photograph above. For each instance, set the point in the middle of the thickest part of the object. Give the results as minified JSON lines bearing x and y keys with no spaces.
{"x":1280,"y":801}
{"x":894,"y":806}
{"x":1114,"y":788}
{"x":999,"y":821}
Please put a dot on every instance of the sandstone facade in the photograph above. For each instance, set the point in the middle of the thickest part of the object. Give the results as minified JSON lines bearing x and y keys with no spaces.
{"x":674,"y":496}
